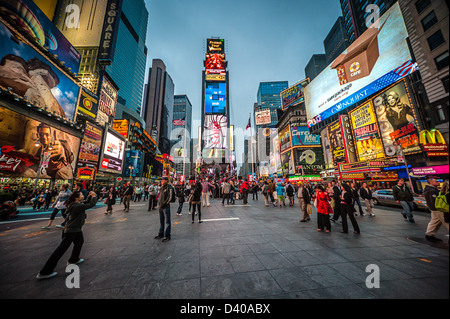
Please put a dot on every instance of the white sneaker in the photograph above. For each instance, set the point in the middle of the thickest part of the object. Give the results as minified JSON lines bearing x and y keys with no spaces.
{"x":45,"y":227}
{"x":59,"y":226}
{"x":40,"y":277}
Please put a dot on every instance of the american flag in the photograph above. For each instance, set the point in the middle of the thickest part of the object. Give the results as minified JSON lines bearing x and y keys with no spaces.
{"x":406,"y":68}
{"x":180,"y":122}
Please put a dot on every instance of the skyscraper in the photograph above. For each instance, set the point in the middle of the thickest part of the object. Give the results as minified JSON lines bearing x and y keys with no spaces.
{"x":268,"y":97}
{"x":181,"y":139}
{"x":336,"y":41}
{"x":316,"y":65}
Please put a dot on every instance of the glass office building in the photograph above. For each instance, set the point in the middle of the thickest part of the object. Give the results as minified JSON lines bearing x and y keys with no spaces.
{"x":130,"y":57}
{"x":268,"y":97}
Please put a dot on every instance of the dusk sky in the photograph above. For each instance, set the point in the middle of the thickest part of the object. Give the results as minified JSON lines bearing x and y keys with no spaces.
{"x":266,"y":40}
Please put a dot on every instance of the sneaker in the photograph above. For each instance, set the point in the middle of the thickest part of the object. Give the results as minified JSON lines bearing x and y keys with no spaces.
{"x":372,"y":215}
{"x":412,"y":221}
{"x":59,"y":226}
{"x":80,"y":261}
{"x":45,"y":227}
{"x":40,"y":277}
{"x":165,"y":240}
{"x":432,"y":238}
{"x":404,"y":216}
{"x":159,"y":237}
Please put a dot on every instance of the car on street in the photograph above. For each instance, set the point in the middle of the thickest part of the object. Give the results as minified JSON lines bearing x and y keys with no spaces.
{"x":386,"y":197}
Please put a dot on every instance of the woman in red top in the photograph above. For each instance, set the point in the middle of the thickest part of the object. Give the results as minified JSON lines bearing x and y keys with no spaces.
{"x":324,"y":209}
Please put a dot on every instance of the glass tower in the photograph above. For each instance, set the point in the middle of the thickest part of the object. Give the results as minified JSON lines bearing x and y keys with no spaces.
{"x":269,"y":98}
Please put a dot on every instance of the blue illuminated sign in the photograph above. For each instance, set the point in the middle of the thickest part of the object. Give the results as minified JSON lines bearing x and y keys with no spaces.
{"x":215,"y":98}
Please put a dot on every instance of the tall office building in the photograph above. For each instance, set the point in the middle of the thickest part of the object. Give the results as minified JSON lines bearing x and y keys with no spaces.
{"x":427,"y":23}
{"x":115,"y":44}
{"x":355,"y":15}
{"x":181,"y":140}
{"x":157,"y":110}
{"x":336,"y":41}
{"x":316,"y":64}
{"x":268,"y":97}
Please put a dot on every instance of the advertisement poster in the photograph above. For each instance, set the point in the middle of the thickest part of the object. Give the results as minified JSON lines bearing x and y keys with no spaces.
{"x":133,"y":163}
{"x":90,"y":146}
{"x":216,"y":98}
{"x":215,"y":132}
{"x":88,"y":103}
{"x":113,"y":152}
{"x":365,"y":130}
{"x":24,"y":142}
{"x":121,"y":127}
{"x":397,"y":120}
{"x":309,"y":161}
{"x":285,"y":139}
{"x":26,"y":14}
{"x":292,"y":96}
{"x":263,"y":117}
{"x":287,"y":166}
{"x":375,"y":60}
{"x":108,"y":95}
{"x":302,"y":137}
{"x":32,"y":76}
{"x":336,"y":143}
{"x":215,"y":46}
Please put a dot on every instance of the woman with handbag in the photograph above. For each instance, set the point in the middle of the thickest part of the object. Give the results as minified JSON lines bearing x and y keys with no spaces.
{"x":324,"y":210}
{"x":110,"y":199}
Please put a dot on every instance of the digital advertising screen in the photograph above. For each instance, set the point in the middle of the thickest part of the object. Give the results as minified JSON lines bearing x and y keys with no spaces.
{"x":309,"y":161}
{"x":215,"y":131}
{"x":300,"y":136}
{"x":292,"y":96}
{"x":375,"y":60}
{"x":215,"y":98}
{"x":113,"y":152}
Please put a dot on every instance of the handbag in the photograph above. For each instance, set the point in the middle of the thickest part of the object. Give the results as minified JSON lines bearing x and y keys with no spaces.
{"x":309,"y":209}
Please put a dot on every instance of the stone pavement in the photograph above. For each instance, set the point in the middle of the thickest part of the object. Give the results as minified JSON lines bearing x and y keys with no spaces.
{"x":238,"y":252}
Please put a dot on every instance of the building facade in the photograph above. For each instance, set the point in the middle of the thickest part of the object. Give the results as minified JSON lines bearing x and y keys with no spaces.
{"x":182,"y":134}
{"x":268,"y":97}
{"x":336,"y":41}
{"x":316,"y":64}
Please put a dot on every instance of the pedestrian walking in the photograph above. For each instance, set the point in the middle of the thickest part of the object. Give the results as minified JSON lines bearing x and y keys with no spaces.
{"x":232,"y":191}
{"x":356,"y":199}
{"x":110,"y":200}
{"x":206,"y":186}
{"x":404,"y":196}
{"x":271,"y":191}
{"x":180,"y":196}
{"x":290,"y":191}
{"x":366,"y":195}
{"x":431,"y":192}
{"x":165,"y":197}
{"x":304,"y":200}
{"x":281,"y":191}
{"x":226,"y":187}
{"x":138,"y":191}
{"x":195,"y":201}
{"x":72,"y":233}
{"x":145,"y":192}
{"x":128,"y":192}
{"x":337,"y":201}
{"x":265,"y":193}
{"x":153,"y":192}
{"x":255,"y":189}
{"x":347,"y":209}
{"x":59,"y":205}
{"x":244,"y":191}
{"x":324,"y":209}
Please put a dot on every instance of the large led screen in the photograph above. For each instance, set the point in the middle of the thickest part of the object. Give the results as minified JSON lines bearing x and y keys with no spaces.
{"x":28,"y":146}
{"x":215,"y":132}
{"x":215,"y":98}
{"x":30,"y":75}
{"x":113,"y":152}
{"x":377,"y":59}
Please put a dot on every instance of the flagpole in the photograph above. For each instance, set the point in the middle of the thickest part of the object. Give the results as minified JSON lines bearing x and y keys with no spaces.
{"x":251,"y":143}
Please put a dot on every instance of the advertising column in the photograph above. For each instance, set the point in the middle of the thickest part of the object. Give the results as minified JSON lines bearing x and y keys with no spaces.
{"x":113,"y":153}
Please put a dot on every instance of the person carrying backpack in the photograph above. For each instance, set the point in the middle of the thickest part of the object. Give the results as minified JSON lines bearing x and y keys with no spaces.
{"x":431,"y":193}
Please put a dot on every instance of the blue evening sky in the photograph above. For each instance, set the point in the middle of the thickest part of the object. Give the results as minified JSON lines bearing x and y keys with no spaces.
{"x":266,"y":40}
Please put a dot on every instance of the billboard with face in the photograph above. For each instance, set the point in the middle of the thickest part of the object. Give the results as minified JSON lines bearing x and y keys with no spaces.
{"x":309,"y":161}
{"x":377,"y":59}
{"x":28,"y":146}
{"x":397,"y":120}
{"x":30,"y":75}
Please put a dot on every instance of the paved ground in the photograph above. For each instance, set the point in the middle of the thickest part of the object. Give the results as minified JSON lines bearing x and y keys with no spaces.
{"x":238,"y":252}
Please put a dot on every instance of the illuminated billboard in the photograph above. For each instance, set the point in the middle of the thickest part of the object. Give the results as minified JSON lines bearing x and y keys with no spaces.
{"x":365,"y":131}
{"x":28,"y":146}
{"x":292,"y":96}
{"x":113,"y":152}
{"x":377,"y":59}
{"x":108,"y":95}
{"x":215,"y":61}
{"x":285,"y":139}
{"x":397,"y":120}
{"x":30,"y":75}
{"x":263,"y":117}
{"x":215,"y":98}
{"x":215,"y":131}
{"x":215,"y":46}
{"x":300,"y":136}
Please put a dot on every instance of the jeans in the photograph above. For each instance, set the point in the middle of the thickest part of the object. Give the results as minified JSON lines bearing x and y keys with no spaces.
{"x":55,"y":212}
{"x":152,"y":202}
{"x":126,"y":202}
{"x":199,"y":212}
{"x":255,"y":194}
{"x":408,"y":208}
{"x":180,"y":208}
{"x":67,"y":239}
{"x":164,"y":217}
{"x":227,"y":196}
{"x":358,"y":201}
{"x":232,"y":198}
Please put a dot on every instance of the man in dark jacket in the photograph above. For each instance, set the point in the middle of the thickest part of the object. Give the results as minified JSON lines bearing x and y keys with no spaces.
{"x":437,"y":218}
{"x":366,"y":195}
{"x":337,"y":201}
{"x":404,"y":196}
{"x":165,"y":196}
{"x":127,"y":197}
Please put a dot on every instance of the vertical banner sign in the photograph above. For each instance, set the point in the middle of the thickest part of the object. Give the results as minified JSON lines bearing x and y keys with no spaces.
{"x":336,"y":143}
{"x":88,"y":103}
{"x":367,"y":137}
{"x":349,"y":143}
{"x":108,"y":95}
{"x":110,"y":31}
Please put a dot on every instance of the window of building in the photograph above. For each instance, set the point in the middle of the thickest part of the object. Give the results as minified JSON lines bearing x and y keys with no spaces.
{"x":421,"y":5}
{"x":429,"y":21}
{"x":445,"y":83}
{"x":441,"y":113}
{"x":436,"y":40}
{"x":442,"y":61}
